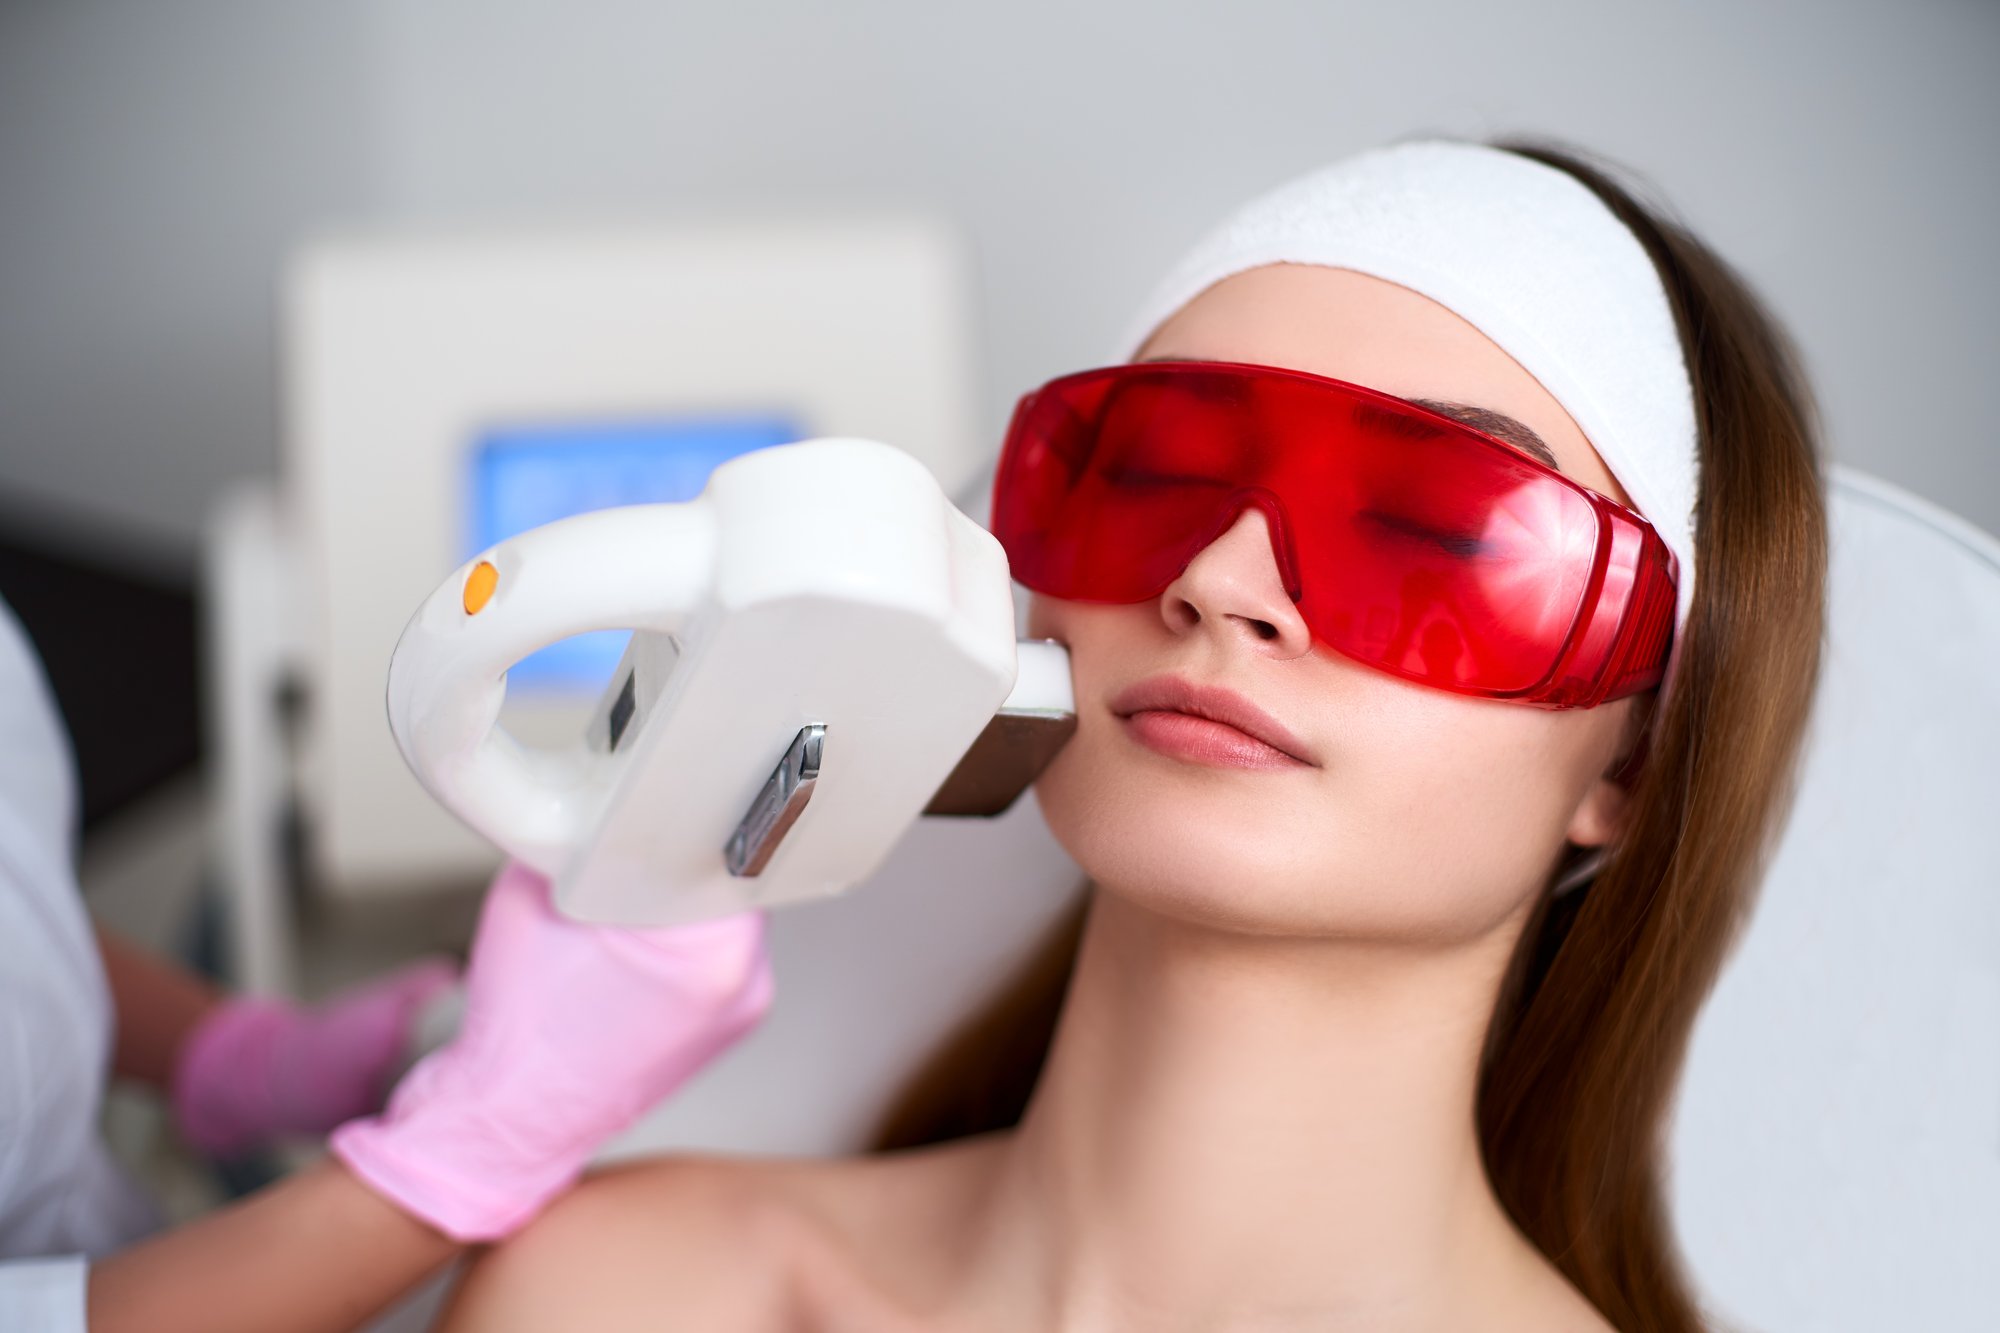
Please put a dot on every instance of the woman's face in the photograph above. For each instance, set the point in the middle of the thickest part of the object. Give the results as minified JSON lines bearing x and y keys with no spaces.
{"x":1410,"y":813}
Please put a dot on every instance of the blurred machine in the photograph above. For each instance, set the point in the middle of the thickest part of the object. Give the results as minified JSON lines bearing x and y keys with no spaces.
{"x":442,"y":395}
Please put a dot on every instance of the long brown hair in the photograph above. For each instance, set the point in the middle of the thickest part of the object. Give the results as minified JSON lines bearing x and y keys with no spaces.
{"x":1591,"y":1027}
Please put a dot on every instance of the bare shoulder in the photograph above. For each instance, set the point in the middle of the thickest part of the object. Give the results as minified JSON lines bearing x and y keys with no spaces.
{"x":727,"y":1243}
{"x":673,"y":1243}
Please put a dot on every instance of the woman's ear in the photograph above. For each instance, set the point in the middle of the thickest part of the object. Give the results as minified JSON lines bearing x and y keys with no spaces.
{"x":1600,"y":816}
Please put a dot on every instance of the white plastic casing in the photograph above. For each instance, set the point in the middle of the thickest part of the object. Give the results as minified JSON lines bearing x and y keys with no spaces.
{"x":827,"y":582}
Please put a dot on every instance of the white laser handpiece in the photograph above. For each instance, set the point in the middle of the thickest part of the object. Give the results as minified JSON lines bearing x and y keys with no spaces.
{"x":823,"y":650}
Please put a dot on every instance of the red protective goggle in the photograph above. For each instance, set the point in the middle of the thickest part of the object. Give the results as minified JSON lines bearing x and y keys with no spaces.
{"x":1410,"y":542}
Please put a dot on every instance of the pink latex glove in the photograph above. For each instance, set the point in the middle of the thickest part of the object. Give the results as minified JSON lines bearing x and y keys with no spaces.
{"x":258,"y":1068}
{"x":571,"y":1033}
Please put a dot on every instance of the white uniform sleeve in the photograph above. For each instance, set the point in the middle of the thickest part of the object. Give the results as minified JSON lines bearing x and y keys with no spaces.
{"x":60,"y":1191}
{"x":43,"y":1295}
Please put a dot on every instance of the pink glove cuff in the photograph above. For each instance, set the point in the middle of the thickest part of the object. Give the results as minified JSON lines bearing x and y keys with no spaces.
{"x":481,"y":1197}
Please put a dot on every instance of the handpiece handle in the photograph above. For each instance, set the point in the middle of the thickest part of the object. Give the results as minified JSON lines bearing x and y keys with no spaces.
{"x":448,"y":677}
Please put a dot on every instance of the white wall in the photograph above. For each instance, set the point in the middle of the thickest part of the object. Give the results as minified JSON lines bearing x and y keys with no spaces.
{"x":155,"y":161}
{"x":157,"y":158}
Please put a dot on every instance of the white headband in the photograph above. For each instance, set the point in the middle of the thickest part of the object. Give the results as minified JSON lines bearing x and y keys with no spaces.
{"x":1526,"y":254}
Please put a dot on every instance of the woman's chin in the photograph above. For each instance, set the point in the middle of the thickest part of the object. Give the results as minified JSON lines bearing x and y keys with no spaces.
{"x":1208,"y":859}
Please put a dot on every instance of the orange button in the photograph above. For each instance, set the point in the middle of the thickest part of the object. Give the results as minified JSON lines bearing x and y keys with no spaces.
{"x":479,"y":586}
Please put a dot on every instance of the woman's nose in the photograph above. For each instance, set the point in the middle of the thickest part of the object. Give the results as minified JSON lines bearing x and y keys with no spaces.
{"x":1233,"y":587}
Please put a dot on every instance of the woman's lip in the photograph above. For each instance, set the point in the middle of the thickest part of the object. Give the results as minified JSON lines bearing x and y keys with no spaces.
{"x":1224,"y":709}
{"x":1185,"y":736}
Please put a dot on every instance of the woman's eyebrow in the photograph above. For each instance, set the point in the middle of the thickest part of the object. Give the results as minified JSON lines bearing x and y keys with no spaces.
{"x":1497,"y":424}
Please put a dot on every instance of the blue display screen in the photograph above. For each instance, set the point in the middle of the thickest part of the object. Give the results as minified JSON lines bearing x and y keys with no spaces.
{"x":526,"y":475}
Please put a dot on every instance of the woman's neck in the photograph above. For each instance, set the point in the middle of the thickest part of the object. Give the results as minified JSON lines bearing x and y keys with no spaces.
{"x":1236,"y":1130}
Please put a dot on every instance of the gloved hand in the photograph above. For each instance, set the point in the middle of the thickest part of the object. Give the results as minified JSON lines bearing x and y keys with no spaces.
{"x":257,"y":1068}
{"x":571,"y":1033}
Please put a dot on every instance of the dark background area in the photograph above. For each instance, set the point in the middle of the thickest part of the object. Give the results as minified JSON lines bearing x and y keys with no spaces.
{"x":120,"y":653}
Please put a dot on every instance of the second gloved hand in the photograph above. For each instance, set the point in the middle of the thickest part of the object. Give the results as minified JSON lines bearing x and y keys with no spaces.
{"x":260,"y":1068}
{"x":571,"y":1033}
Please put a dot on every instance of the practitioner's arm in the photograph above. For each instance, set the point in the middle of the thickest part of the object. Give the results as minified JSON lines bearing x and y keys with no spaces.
{"x":316,"y":1253}
{"x":157,"y":1005}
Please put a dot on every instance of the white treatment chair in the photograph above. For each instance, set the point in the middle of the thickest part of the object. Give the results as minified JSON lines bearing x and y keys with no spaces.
{"x":1836,"y":1146}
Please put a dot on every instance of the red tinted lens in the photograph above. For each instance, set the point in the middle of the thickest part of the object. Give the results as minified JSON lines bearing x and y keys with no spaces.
{"x":1096,"y":501}
{"x":1444,"y":559}
{"x":1409,"y":542}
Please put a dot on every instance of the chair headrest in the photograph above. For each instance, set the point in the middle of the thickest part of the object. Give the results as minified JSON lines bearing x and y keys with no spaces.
{"x":1836,"y":1151}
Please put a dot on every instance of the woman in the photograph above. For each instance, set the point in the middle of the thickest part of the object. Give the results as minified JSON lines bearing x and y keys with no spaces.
{"x":1342,"y":1045}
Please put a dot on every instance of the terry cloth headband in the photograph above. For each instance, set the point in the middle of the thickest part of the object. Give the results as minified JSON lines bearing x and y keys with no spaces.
{"x":1526,"y":254}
